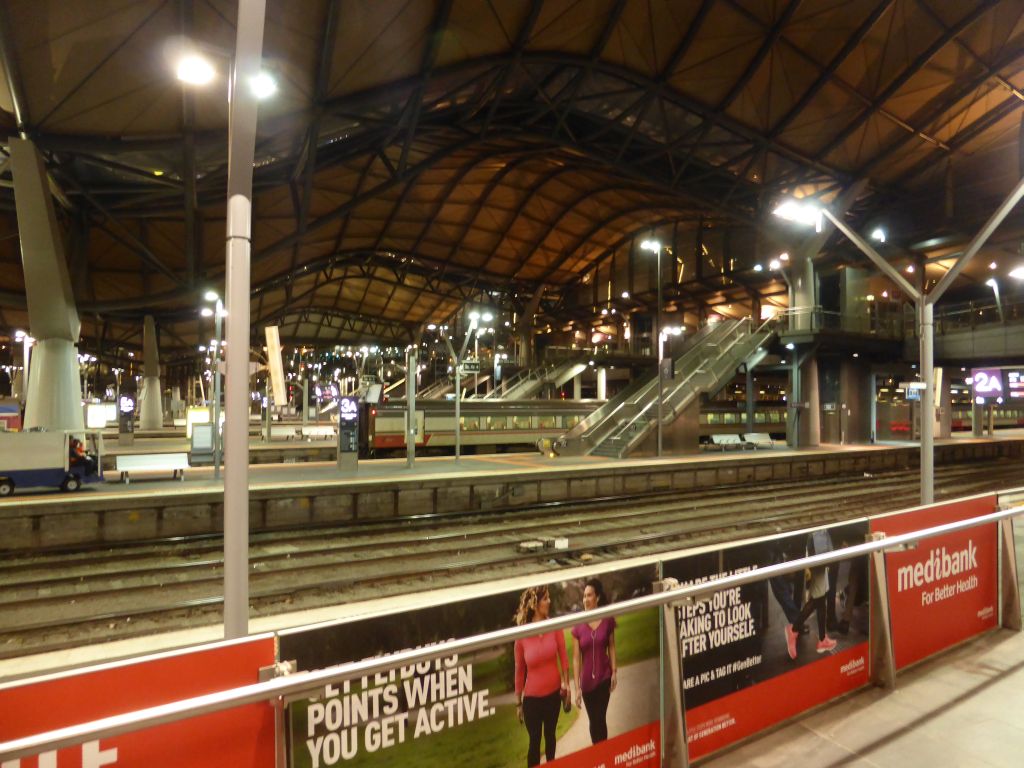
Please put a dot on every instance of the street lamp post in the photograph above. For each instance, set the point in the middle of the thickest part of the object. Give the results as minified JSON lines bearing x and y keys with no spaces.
{"x":474,"y":318}
{"x":655,"y":246}
{"x":812,"y":213}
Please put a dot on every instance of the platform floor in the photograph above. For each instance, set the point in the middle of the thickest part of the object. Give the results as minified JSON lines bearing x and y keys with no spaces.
{"x":962,"y":708}
{"x":304,"y":473}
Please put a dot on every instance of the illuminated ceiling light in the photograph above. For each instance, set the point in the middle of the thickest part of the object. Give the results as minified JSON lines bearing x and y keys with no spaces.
{"x":783,"y":256}
{"x":1018,"y":273}
{"x":758,"y":268}
{"x":791,"y":346}
{"x":625,"y":294}
{"x":474,"y":316}
{"x":158,"y":172}
{"x":774,"y":264}
{"x":650,"y":245}
{"x":487,"y":317}
{"x":991,"y":282}
{"x":194,"y":70}
{"x":885,"y":294}
{"x":878,"y":234}
{"x":211,"y":296}
{"x":431,"y":327}
{"x":870,"y":297}
{"x":910,"y":269}
{"x":262,"y":85}
{"x":206,"y":312}
{"x":992,"y":265}
{"x":799,"y":212}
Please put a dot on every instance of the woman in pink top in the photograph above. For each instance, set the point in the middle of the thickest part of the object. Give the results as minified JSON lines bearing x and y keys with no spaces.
{"x":542,"y":675}
{"x":594,"y":662}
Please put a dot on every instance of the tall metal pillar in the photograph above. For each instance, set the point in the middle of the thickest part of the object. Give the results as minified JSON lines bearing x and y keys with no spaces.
{"x":412,"y":363}
{"x":241,"y":152}
{"x":751,"y":399}
{"x":150,"y":401}
{"x":53,"y":392}
{"x":602,"y":383}
{"x":925,"y":319}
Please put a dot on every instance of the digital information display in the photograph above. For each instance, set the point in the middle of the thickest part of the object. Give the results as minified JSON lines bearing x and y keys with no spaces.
{"x":1013,"y":380}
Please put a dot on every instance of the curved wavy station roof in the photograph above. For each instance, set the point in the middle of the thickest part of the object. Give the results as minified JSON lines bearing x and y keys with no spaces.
{"x":421,"y":152}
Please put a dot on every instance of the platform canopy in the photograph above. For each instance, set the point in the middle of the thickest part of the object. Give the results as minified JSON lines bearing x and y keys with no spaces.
{"x":420,"y":154}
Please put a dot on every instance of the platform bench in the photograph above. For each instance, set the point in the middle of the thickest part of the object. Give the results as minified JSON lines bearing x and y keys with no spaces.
{"x":176,"y":463}
{"x":759,"y":440}
{"x":285,"y":431}
{"x":325,"y":433}
{"x":727,"y":442}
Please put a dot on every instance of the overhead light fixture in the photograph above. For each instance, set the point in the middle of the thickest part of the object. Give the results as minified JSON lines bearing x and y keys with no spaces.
{"x":991,"y":282}
{"x":206,"y":312}
{"x":650,"y":245}
{"x":910,"y":269}
{"x":625,"y":294}
{"x":805,"y":213}
{"x":774,"y":264}
{"x":783,"y":256}
{"x":758,"y":268}
{"x":992,"y":265}
{"x":878,"y":234}
{"x":1017,"y":273}
{"x":194,"y":69}
{"x":791,"y":346}
{"x":262,"y":85}
{"x":211,"y":296}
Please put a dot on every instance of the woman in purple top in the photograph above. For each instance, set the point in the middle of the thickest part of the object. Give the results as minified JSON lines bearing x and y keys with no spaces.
{"x":593,"y":656}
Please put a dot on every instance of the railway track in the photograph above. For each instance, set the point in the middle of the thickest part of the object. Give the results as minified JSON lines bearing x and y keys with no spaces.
{"x":60,"y":599}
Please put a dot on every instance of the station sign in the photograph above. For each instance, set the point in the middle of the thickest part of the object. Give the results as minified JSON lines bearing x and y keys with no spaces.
{"x":470,"y":366}
{"x":348,"y":410}
{"x":987,"y":384}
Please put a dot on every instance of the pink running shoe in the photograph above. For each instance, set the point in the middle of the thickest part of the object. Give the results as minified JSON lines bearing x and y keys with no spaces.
{"x":827,"y":644}
{"x":791,"y":637}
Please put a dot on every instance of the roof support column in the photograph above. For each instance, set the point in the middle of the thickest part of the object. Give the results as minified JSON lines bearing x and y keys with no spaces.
{"x":53,"y":397}
{"x":241,"y":152}
{"x":150,"y":401}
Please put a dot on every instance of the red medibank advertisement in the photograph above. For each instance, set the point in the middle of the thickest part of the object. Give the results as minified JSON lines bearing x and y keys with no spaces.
{"x":237,"y":737}
{"x":945,"y":590}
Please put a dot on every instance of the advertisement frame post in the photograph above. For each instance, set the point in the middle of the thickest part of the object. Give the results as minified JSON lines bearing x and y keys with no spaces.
{"x":1009,"y":588}
{"x":883,"y":655}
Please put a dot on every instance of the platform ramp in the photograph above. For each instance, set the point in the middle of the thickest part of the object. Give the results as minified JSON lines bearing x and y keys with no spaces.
{"x":527,"y":383}
{"x":707,"y":363}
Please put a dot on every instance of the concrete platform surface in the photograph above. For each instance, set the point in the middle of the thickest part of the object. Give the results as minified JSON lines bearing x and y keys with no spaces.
{"x":962,"y":708}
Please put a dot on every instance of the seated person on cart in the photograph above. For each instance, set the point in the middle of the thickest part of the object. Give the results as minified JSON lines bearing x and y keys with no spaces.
{"x":78,"y":458}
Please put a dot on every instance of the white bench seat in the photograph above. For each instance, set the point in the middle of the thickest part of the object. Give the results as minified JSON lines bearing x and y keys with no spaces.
{"x":285,"y":431}
{"x":759,"y":439}
{"x":323,"y":432}
{"x":176,"y":463}
{"x":727,"y":442}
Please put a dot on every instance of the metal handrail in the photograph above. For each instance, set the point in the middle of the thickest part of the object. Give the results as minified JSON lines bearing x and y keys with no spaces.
{"x":305,"y":683}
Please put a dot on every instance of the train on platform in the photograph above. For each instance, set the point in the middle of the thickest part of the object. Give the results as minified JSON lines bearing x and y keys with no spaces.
{"x":501,"y":426}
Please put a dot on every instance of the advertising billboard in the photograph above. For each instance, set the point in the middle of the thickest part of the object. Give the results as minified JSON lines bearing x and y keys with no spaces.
{"x":579,"y":697}
{"x":241,"y":737}
{"x":756,"y":655}
{"x":945,"y":590}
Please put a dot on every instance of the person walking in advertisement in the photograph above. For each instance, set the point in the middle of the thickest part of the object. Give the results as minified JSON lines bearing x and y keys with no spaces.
{"x":594,"y":662}
{"x":541,"y":675}
{"x":818,"y":543}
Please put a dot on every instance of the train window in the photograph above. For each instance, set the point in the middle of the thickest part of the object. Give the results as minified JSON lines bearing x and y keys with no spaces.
{"x":714,"y":418}
{"x":520,"y":422}
{"x":469,"y":422}
{"x":572,"y":421}
{"x":497,"y":422}
{"x":548,"y":422}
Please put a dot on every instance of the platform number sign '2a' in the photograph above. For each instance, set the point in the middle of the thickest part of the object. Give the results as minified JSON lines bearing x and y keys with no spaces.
{"x":988,"y":385}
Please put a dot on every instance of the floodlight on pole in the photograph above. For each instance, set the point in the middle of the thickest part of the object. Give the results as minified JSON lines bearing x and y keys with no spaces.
{"x":1017,"y":273}
{"x":195,"y":69}
{"x":800,"y":212}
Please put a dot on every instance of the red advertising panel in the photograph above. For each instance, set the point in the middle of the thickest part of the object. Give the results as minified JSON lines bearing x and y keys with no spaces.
{"x":944,"y":591}
{"x":756,"y":655}
{"x":238,"y":737}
